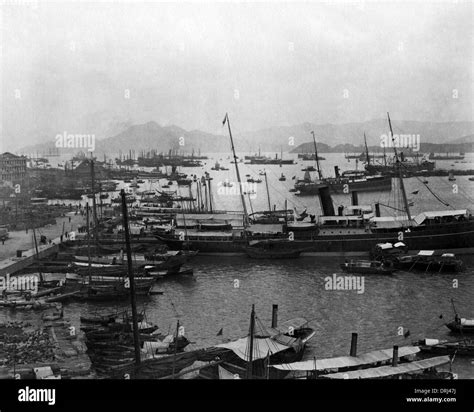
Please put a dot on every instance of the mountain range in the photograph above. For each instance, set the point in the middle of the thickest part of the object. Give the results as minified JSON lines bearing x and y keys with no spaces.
{"x":330,"y":137}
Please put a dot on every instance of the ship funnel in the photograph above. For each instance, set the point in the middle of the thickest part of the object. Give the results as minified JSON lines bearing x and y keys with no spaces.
{"x":336,"y":171}
{"x":355,"y":199}
{"x":377,"y":209}
{"x":326,"y":201}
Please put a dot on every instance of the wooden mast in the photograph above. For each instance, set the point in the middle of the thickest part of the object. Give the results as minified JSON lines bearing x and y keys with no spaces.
{"x":136,"y":340}
{"x":37,"y":255}
{"x":226,"y":119}
{"x":400,"y":175}
{"x":268,"y":193}
{"x":366,"y":151}
{"x":94,"y":206}
{"x":88,"y":244}
{"x":316,"y":156}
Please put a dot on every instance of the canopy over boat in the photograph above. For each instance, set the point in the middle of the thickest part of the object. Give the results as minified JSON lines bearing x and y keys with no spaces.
{"x":389,"y":222}
{"x":419,"y":219}
{"x":426,"y":253}
{"x":467,"y":322}
{"x":262,"y":347}
{"x":384,"y":246}
{"x":390,"y":371}
{"x":348,"y":361}
{"x":387,"y":246}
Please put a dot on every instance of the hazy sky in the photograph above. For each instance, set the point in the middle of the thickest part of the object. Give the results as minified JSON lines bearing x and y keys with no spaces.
{"x":83,"y":67}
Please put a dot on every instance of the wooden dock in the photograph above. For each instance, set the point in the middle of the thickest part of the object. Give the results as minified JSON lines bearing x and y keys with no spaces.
{"x":15,"y":264}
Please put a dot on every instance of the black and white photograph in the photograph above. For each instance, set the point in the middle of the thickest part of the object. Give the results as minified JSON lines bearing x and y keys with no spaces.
{"x":278,"y":195}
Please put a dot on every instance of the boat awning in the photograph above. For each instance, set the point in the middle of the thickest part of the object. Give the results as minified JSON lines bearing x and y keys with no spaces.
{"x":419,"y":219}
{"x":261,"y":348}
{"x":467,"y":322}
{"x":388,"y":371}
{"x":389,"y":222}
{"x":399,"y":244}
{"x":348,"y":361}
{"x":385,"y":246}
{"x":426,"y":253}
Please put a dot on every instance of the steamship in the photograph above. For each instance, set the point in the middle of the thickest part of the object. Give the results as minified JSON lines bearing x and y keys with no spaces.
{"x":353,"y":232}
{"x":345,"y":182}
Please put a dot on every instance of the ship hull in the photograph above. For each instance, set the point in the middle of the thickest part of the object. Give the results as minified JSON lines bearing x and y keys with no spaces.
{"x":457,"y":238}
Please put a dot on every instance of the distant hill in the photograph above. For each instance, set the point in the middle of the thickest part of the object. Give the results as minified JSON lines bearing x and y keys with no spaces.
{"x":465,"y":139}
{"x":349,"y":148}
{"x":345,"y":137}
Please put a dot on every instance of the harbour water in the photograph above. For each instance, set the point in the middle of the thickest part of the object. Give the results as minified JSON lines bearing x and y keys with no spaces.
{"x":391,"y":310}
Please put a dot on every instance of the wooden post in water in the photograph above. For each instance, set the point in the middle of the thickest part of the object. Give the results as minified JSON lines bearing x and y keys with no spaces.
{"x":395,"y":356}
{"x":136,"y":340}
{"x":274,"y":316}
{"x":354,"y":345}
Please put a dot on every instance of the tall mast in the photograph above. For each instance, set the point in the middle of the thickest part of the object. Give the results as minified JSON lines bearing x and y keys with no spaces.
{"x":251,"y":333}
{"x":88,"y":243}
{"x":268,"y":193}
{"x":366,"y":151}
{"x":226,"y":119}
{"x":94,"y":209}
{"x":37,"y":255}
{"x":400,"y":175}
{"x":131,"y":279}
{"x":316,"y":156}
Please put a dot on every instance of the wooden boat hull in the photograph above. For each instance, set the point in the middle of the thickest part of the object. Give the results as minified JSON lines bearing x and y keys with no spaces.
{"x":367,"y":270}
{"x":458,"y":328}
{"x":257,"y":253}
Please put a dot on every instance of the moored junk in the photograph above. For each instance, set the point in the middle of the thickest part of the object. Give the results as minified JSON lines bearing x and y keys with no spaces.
{"x":429,"y":261}
{"x":368,"y":267}
{"x":250,"y":357}
{"x":110,"y":344}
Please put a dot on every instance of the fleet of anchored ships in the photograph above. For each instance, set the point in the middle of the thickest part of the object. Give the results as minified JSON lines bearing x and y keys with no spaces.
{"x":165,"y":232}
